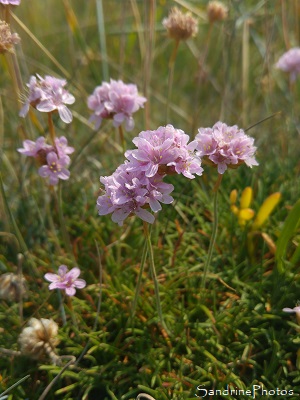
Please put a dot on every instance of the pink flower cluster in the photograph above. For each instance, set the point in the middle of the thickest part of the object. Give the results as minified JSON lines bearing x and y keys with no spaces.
{"x":66,"y":280}
{"x":225,"y":146}
{"x":290,"y":62}
{"x":138,"y":183}
{"x":115,"y":100}
{"x":54,"y":160}
{"x":48,"y":94}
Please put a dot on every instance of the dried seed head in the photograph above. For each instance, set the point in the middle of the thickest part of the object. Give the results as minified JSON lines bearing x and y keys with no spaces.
{"x":216,"y":11}
{"x":180,"y":26}
{"x":7,"y":39}
{"x":39,"y":338}
{"x":12,"y":286}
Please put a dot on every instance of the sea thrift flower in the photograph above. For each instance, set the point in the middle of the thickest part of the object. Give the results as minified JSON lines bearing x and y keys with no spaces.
{"x":12,"y":286}
{"x":216,"y":11}
{"x":48,"y":95}
{"x":12,"y":2}
{"x":40,"y":338}
{"x":165,"y":150}
{"x":180,"y":26}
{"x":225,"y":146}
{"x":129,"y":192}
{"x":115,"y":100}
{"x":54,"y":169}
{"x":33,"y":149}
{"x":290,"y":62}
{"x":54,"y":160}
{"x":7,"y":39}
{"x":66,"y":280}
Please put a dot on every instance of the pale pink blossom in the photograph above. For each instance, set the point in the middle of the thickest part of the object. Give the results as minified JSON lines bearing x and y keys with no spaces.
{"x":290,"y":62}
{"x":66,"y":280}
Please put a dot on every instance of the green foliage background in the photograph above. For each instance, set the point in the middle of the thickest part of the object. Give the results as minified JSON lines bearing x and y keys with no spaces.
{"x":233,"y":332}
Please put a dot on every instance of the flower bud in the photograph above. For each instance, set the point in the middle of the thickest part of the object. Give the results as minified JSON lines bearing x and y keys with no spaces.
{"x":180,"y":26}
{"x":216,"y":11}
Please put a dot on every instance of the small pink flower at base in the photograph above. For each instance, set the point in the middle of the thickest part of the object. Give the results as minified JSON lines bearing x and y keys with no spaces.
{"x":66,"y":280}
{"x":55,"y":169}
{"x":53,"y":159}
{"x":225,"y":146}
{"x":115,"y":100}
{"x":48,"y":94}
{"x":290,"y":62}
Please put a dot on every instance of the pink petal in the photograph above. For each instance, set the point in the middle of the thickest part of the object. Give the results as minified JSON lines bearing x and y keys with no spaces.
{"x":80,"y":283}
{"x":51,"y":277}
{"x":70,"y":291}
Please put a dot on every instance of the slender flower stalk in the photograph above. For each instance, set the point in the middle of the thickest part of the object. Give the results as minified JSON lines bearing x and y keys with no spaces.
{"x":214,"y":231}
{"x":63,"y":224}
{"x":139,"y":282}
{"x":51,"y":128}
{"x":179,"y":27}
{"x":154,"y":277}
{"x":122,"y":140}
{"x":171,"y":77}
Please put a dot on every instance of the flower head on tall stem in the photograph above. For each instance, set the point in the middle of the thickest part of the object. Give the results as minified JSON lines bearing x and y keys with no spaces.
{"x":7,"y":39}
{"x":216,"y":11}
{"x":54,"y":160}
{"x":115,"y":100}
{"x":180,"y":26}
{"x":48,"y":94}
{"x":129,"y":192}
{"x":290,"y":62}
{"x":225,"y":146}
{"x":66,"y":280}
{"x":165,"y":150}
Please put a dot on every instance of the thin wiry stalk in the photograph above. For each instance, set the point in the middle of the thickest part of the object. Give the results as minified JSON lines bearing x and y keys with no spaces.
{"x":98,"y":305}
{"x":48,"y":388}
{"x":245,"y":71}
{"x":171,"y":77}
{"x":214,"y":232}
{"x":122,"y":140}
{"x":15,"y":385}
{"x":62,"y":222}
{"x":138,"y":285}
{"x":150,"y":8}
{"x":41,"y":46}
{"x":154,"y":277}
{"x":19,"y":236}
{"x":102,"y":38}
{"x":62,"y":307}
{"x":51,"y":128}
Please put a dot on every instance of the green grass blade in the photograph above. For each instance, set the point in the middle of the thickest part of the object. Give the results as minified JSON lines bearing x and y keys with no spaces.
{"x":289,"y":227}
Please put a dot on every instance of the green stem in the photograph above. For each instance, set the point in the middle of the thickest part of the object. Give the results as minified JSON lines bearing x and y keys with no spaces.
{"x":73,"y":316}
{"x":138,"y":285}
{"x":62,"y":308}
{"x":62,"y":223}
{"x":51,"y":128}
{"x":171,"y":77}
{"x":122,"y":140}
{"x":154,"y":276}
{"x":214,"y":232}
